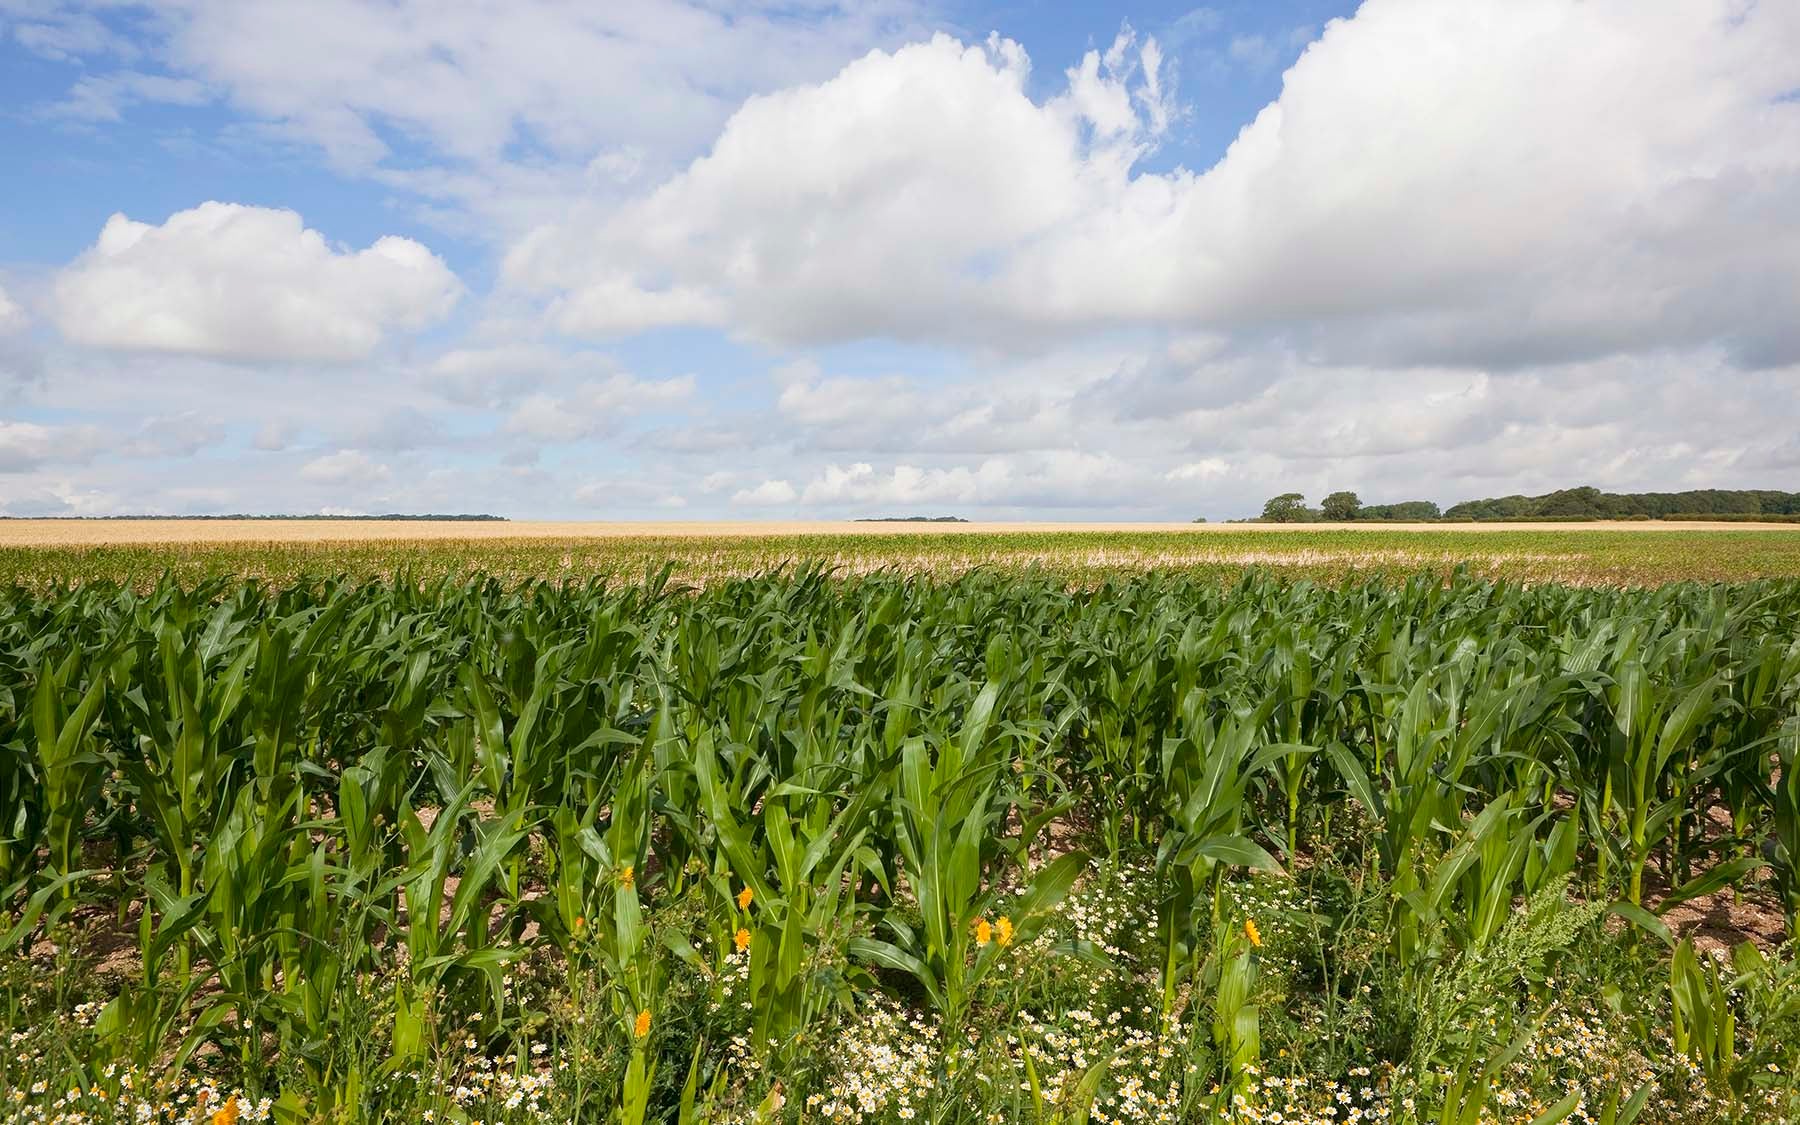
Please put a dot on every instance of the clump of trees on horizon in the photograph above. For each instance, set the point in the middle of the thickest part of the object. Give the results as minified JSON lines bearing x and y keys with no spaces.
{"x":1585,"y":503}
{"x":1343,"y":507}
{"x":1591,"y":503}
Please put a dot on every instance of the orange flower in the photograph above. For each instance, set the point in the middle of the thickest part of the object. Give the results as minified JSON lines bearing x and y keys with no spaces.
{"x":742,"y":938}
{"x":1004,"y":931}
{"x":227,"y":1114}
{"x":984,"y":933}
{"x":1251,"y":932}
{"x":580,"y":925}
{"x":641,"y":1027}
{"x":744,"y":897}
{"x":628,"y":877}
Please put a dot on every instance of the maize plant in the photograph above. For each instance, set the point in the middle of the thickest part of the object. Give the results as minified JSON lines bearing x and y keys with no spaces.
{"x":671,"y":853}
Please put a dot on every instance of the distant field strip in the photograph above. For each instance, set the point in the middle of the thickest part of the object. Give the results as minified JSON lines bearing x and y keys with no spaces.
{"x":50,"y":552}
{"x":76,"y":532}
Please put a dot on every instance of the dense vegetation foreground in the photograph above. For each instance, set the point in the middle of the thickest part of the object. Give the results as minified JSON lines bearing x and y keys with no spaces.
{"x":980,"y":849}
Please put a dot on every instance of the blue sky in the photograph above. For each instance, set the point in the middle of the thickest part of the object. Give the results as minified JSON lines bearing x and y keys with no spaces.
{"x":692,"y":259}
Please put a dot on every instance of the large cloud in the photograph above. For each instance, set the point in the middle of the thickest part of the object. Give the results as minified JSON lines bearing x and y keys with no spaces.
{"x":860,"y":206}
{"x":247,"y":283}
{"x":1490,"y":181}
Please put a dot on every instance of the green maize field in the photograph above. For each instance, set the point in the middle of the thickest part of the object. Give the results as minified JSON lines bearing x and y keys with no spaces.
{"x":914,"y":828}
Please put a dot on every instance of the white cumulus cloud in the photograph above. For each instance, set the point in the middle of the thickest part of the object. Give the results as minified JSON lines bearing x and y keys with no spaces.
{"x":855,"y":206}
{"x":236,"y":282}
{"x":1489,"y":181}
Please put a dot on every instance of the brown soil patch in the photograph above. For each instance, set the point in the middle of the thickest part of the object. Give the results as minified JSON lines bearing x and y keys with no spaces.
{"x":1716,"y":922}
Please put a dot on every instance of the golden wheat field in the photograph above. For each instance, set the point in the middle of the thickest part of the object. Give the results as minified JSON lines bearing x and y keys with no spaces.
{"x":137,"y":552}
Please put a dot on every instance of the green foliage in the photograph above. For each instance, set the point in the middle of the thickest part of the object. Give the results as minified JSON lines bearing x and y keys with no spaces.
{"x":1340,"y":506}
{"x":1404,"y":510}
{"x":1591,"y":503}
{"x":1027,"y":849}
{"x":1289,"y":507}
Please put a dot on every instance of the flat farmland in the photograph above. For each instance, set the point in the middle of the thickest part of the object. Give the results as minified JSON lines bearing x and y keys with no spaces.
{"x":137,"y":552}
{"x":1022,"y":823}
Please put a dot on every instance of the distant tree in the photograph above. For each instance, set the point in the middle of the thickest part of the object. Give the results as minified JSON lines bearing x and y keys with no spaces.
{"x":1584,"y":503}
{"x":1404,"y":510}
{"x":1289,"y":507}
{"x":1340,"y":506}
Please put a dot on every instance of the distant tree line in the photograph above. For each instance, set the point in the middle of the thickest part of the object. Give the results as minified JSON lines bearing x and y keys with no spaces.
{"x":1593,"y":504}
{"x":912,"y":519}
{"x":1343,"y":507}
{"x":1584,"y":503}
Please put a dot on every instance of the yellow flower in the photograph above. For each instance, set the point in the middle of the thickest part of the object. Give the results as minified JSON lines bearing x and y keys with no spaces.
{"x":628,"y":877}
{"x":743,"y":899}
{"x":1004,"y":931}
{"x":227,"y":1114}
{"x":984,"y":933}
{"x":641,"y":1028}
{"x":742,"y":938}
{"x":1251,"y":932}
